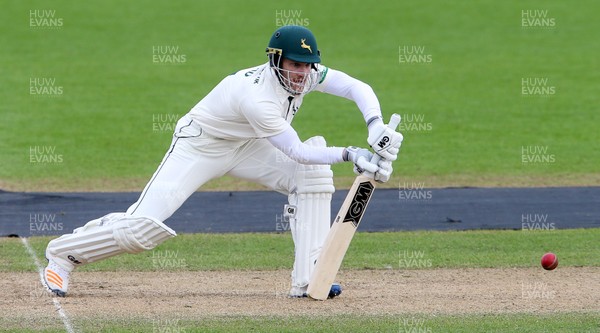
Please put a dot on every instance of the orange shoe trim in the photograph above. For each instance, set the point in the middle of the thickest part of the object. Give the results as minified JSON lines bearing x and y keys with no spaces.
{"x":54,"y":278}
{"x":51,"y":279}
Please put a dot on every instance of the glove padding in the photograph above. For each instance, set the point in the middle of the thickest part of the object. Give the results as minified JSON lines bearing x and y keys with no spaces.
{"x":361,"y":158}
{"x":384,"y":140}
{"x":384,"y":173}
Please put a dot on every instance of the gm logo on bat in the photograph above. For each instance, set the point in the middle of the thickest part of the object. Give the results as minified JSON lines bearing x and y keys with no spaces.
{"x":384,"y":141}
{"x":359,"y":203}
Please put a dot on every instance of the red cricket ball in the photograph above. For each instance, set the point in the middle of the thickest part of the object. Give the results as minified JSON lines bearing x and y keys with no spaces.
{"x":549,"y":261}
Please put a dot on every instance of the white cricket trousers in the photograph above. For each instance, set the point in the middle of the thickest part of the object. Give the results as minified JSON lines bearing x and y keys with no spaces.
{"x":195,"y":157}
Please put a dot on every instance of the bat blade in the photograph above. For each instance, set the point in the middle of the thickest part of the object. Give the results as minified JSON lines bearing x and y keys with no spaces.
{"x":339,"y":237}
{"x":342,"y":230}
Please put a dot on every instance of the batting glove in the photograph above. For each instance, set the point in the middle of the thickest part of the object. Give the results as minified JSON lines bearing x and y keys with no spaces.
{"x":385,"y":171}
{"x":384,"y":140}
{"x":383,"y":174}
{"x":361,"y":158}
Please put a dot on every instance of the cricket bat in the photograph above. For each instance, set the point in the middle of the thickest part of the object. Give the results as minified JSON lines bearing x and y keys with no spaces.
{"x":342,"y":230}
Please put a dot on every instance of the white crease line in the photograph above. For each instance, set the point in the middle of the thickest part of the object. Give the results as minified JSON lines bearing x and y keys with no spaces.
{"x":40,"y":268}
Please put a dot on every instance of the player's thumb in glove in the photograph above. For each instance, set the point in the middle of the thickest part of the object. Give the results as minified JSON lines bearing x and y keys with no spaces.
{"x":384,"y":140}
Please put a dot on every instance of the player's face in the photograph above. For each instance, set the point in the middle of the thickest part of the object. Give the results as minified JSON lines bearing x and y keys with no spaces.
{"x":296,"y":72}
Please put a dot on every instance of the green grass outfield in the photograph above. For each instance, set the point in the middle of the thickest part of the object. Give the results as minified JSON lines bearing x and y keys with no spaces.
{"x":523,"y":323}
{"x":467,"y":121}
{"x":378,"y":250}
{"x":465,"y":249}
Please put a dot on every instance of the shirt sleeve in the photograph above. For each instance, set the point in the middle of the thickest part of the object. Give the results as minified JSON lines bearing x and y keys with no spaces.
{"x":341,"y":84}
{"x":264,"y":117}
{"x":289,"y":143}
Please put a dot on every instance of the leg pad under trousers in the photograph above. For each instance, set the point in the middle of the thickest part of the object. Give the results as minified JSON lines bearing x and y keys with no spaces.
{"x":108,"y":236}
{"x":309,"y":213}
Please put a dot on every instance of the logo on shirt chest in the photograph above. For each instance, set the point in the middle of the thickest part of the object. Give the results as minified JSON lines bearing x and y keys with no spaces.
{"x":292,"y":108}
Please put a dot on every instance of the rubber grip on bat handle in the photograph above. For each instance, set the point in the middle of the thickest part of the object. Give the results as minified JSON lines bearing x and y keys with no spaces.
{"x":393,"y":124}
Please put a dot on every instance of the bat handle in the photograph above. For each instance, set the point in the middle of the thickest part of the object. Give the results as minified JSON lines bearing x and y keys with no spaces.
{"x":393,"y":124}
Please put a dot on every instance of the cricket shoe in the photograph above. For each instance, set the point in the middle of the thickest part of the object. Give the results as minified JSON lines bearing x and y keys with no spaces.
{"x":336,"y":290}
{"x":56,"y":278}
{"x":299,"y":292}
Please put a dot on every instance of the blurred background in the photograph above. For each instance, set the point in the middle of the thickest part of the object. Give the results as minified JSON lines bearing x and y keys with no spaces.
{"x":491,"y":93}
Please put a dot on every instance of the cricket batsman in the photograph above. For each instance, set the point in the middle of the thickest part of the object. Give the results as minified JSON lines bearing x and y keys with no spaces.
{"x":242,"y":128}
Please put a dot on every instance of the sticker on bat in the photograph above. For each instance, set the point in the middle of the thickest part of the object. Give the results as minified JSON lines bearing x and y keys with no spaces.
{"x":359,"y":203}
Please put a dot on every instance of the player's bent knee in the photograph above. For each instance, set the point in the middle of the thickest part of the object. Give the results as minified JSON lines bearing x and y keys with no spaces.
{"x":315,"y":181}
{"x":103,"y":221}
{"x":135,"y":234}
{"x":314,"y":178}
